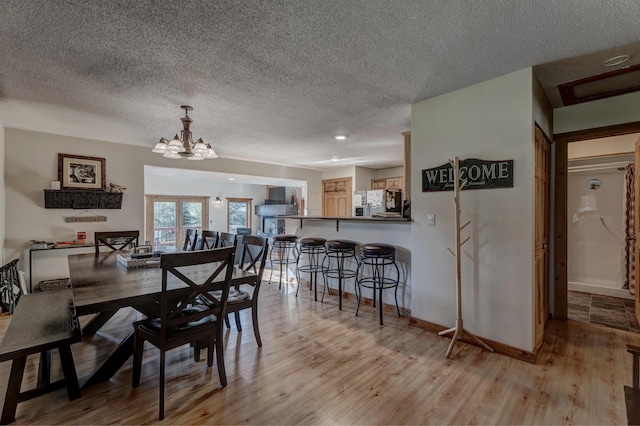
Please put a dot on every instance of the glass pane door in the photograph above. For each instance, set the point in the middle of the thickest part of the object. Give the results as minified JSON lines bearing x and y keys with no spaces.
{"x":192,"y":216}
{"x":165,"y":229}
{"x":169,"y":217}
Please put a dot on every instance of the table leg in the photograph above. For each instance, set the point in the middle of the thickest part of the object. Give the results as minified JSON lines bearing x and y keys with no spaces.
{"x":97,"y":322}
{"x":116,"y":360}
{"x":13,"y":390}
{"x":44,"y":371}
{"x":69,"y":370}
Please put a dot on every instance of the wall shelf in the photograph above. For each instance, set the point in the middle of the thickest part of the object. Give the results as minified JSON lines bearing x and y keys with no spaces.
{"x":78,"y":199}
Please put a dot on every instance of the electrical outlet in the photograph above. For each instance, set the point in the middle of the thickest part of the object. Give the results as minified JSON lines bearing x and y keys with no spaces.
{"x":431,"y":220}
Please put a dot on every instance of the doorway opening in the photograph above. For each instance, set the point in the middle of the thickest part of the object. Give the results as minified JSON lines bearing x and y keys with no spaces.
{"x":598,"y":202}
{"x":588,"y":185}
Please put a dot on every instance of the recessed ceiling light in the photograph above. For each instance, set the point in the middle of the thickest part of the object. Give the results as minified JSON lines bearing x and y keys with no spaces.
{"x":616,"y":60}
{"x":335,"y":159}
{"x":231,"y":178}
{"x":341,"y":137}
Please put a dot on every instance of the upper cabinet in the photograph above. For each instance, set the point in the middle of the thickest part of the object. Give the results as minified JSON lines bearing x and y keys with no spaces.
{"x":388,"y":183}
{"x":378,"y":184}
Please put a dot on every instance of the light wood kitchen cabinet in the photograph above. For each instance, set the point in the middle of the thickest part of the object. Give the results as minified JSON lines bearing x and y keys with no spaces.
{"x":337,"y":197}
{"x":388,"y":183}
{"x":378,"y":184}
{"x":395,"y":183}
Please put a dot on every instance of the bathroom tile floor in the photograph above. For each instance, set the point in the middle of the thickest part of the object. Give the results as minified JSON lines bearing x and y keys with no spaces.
{"x":609,"y":311}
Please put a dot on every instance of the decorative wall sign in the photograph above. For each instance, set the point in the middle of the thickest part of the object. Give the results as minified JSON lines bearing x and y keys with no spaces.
{"x":74,"y":219}
{"x":90,"y":217}
{"x":480,"y":174}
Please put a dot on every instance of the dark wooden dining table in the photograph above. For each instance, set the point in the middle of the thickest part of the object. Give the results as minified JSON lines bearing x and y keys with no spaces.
{"x":102,"y":286}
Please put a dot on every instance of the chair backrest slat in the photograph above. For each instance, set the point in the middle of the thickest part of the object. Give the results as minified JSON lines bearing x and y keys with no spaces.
{"x":209,"y":240}
{"x":226,"y":239}
{"x":190,"y":240}
{"x":115,"y":240}
{"x":254,"y":258}
{"x":203,"y":272}
{"x":10,"y":290}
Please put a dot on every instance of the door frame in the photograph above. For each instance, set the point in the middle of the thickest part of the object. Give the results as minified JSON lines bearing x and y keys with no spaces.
{"x":561,"y":140}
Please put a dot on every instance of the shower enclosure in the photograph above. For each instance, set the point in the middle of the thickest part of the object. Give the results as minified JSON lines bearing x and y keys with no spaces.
{"x":596,"y":237}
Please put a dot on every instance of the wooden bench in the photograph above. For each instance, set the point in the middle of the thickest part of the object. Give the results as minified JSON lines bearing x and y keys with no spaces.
{"x":41,"y":322}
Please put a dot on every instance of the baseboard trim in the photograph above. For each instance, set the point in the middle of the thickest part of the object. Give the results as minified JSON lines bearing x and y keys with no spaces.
{"x":501,"y":348}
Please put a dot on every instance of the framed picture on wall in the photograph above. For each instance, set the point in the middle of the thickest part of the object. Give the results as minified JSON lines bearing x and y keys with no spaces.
{"x":79,"y":172}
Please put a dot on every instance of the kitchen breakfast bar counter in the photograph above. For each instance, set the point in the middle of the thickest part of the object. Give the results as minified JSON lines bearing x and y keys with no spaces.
{"x":362,"y":230}
{"x":338,"y":219}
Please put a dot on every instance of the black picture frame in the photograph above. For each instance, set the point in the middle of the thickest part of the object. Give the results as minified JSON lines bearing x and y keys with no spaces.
{"x":81,"y":172}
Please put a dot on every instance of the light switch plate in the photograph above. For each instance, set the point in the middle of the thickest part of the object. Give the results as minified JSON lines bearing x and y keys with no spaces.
{"x":431,"y":220}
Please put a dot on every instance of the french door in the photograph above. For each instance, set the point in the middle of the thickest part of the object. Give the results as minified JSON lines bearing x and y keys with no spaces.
{"x":170,"y":216}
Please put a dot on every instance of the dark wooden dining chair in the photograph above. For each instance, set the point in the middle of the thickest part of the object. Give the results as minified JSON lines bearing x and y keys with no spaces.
{"x":115,"y":240}
{"x":10,"y":289}
{"x":208,"y":241}
{"x":190,"y":240}
{"x":226,"y":239}
{"x":181,"y":319}
{"x":245,"y":295}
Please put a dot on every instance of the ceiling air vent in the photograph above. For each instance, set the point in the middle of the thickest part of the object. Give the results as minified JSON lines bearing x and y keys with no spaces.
{"x":601,"y":86}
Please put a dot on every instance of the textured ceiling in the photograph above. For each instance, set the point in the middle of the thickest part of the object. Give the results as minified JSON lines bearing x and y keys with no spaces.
{"x":274,"y":81}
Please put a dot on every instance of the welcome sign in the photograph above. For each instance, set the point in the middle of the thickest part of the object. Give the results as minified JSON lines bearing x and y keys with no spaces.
{"x":479,"y":174}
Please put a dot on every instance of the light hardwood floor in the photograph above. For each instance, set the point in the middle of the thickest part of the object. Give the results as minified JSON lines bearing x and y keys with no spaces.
{"x":322,"y":366}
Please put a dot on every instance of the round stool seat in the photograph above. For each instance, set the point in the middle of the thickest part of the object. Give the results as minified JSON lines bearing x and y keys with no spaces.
{"x":288,"y":238}
{"x":312,"y":242}
{"x":377,"y":249}
{"x":340,"y":245}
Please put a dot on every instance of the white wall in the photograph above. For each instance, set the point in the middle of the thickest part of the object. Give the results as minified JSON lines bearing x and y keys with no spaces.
{"x":363,"y":178}
{"x":604,"y":112}
{"x":163,"y":185}
{"x":390,"y":172}
{"x":31,"y":164}
{"x":603,"y":146}
{"x":492,"y":120}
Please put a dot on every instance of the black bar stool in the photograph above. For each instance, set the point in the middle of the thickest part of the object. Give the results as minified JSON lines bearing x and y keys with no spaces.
{"x":284,"y":247}
{"x":310,"y":251}
{"x":338,"y":254}
{"x":379,"y":257}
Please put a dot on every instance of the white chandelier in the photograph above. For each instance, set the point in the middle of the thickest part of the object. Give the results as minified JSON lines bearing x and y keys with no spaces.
{"x":184,"y":147}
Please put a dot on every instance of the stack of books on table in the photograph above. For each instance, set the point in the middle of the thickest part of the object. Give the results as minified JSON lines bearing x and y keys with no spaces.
{"x":139,"y":260}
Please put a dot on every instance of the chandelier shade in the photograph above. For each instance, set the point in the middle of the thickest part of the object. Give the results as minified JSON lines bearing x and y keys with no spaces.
{"x":184,"y":146}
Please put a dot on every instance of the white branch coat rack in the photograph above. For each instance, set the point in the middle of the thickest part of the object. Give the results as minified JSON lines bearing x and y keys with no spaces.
{"x":459,"y":331}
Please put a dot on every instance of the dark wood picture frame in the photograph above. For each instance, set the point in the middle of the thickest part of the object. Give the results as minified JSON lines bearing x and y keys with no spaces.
{"x":80,"y":172}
